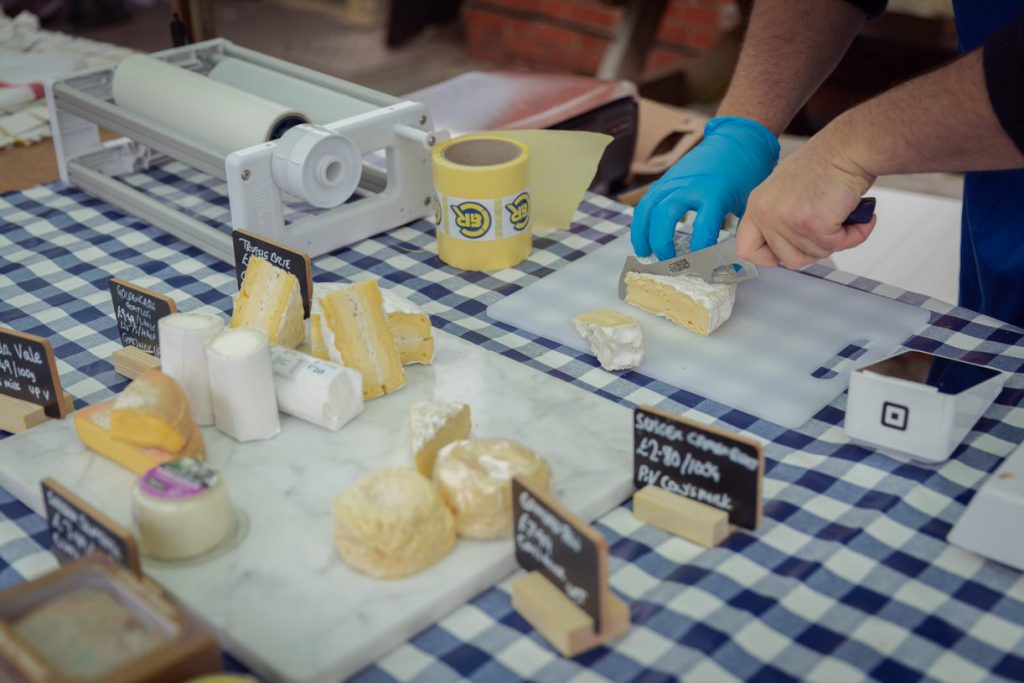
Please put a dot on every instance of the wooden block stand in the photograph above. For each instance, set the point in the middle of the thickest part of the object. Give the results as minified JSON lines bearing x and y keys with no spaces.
{"x":681,"y":516}
{"x":16,"y":415}
{"x":568,"y":628}
{"x":132,"y":362}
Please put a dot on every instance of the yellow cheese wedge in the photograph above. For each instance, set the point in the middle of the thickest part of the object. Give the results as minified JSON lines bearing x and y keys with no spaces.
{"x":686,"y":300}
{"x":356,"y":335}
{"x":432,"y":426}
{"x":411,"y":329}
{"x":410,"y":326}
{"x":152,"y":411}
{"x":93,"y":427}
{"x":270,"y":299}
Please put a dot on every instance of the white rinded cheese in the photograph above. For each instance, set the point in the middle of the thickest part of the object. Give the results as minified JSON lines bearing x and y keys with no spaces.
{"x":615,"y":338}
{"x":181,"y":509}
{"x":324,"y":393}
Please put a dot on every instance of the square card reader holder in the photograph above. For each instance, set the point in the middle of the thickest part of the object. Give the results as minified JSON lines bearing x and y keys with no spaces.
{"x":918,"y":405}
{"x":304,"y":163}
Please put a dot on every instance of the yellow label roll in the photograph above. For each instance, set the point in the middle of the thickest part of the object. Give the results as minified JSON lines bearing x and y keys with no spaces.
{"x":482,"y":202}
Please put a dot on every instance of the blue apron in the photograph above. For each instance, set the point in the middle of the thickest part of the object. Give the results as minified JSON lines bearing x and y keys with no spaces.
{"x":992,"y":230}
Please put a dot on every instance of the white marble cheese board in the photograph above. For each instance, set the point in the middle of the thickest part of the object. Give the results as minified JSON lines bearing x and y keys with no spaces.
{"x":280,"y":598}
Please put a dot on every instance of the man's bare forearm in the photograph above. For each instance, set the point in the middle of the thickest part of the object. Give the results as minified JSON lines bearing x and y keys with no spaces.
{"x":790,"y":48}
{"x":941,"y":121}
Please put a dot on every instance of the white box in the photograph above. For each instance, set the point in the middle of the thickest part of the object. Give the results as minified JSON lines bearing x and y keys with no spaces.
{"x":993,"y":521}
{"x":919,"y":405}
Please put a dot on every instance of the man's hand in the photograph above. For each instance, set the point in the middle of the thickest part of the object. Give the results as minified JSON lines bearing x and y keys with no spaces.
{"x":795,"y":217}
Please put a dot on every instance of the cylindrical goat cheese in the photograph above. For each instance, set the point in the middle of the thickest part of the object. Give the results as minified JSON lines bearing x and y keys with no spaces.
{"x":242,"y":384}
{"x":324,"y":393}
{"x":181,"y":509}
{"x":183,"y":340}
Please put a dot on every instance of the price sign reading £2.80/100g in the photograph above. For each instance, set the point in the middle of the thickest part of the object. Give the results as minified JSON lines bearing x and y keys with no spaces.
{"x":699,"y":462}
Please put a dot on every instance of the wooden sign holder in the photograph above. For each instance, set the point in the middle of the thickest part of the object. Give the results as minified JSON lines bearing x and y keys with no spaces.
{"x":17,"y":416}
{"x":682,"y":516}
{"x":685,"y":517}
{"x":131,"y":361}
{"x":566,"y":626}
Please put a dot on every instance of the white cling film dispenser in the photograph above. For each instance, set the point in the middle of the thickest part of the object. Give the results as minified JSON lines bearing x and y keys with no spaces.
{"x":918,"y":405}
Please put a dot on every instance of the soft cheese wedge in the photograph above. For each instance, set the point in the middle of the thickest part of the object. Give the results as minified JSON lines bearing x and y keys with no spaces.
{"x":356,"y":335}
{"x":411,"y":329}
{"x":615,"y":338}
{"x":152,"y":411}
{"x":432,"y":426}
{"x":686,"y":300}
{"x":474,"y":477}
{"x":410,"y":326}
{"x":93,"y":427}
{"x":271,"y":300}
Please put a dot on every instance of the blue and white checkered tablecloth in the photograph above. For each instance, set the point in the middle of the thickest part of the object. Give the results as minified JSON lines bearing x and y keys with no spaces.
{"x":849,"y":577}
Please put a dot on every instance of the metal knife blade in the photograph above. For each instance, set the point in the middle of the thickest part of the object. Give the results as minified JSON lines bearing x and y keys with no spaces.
{"x":719,"y":263}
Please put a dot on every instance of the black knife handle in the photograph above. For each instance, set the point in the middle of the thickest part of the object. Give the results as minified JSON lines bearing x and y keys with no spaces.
{"x":862,"y":214}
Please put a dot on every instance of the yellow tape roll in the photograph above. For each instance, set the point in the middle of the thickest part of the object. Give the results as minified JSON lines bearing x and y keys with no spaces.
{"x":482,"y":202}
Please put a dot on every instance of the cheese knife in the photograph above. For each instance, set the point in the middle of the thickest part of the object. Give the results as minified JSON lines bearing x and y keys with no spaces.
{"x":719,"y":263}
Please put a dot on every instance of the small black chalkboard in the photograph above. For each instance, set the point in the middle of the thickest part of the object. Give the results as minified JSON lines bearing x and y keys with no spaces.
{"x":28,"y":372}
{"x":137,"y":311}
{"x":280,"y":255}
{"x":565,"y":549}
{"x":706,"y":464}
{"x":77,"y":529}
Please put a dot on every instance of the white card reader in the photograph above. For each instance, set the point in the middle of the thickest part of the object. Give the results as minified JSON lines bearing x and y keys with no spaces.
{"x":917,"y":405}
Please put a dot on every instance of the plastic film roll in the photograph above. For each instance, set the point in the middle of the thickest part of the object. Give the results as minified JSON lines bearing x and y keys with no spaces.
{"x":482,"y":202}
{"x":211,"y":113}
{"x":320,"y":104}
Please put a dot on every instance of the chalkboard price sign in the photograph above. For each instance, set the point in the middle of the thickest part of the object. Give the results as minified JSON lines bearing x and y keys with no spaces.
{"x":77,"y":529}
{"x":706,"y":464}
{"x":137,"y":311}
{"x":565,"y":549}
{"x":28,"y":372}
{"x":280,"y":255}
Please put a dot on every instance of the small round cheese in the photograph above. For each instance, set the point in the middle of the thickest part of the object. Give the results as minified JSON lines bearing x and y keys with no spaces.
{"x":474,"y":477}
{"x":181,"y":509}
{"x":392,"y":523}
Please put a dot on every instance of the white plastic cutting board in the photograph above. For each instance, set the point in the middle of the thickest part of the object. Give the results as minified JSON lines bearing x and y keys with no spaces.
{"x":762,"y":361}
{"x":280,"y":598}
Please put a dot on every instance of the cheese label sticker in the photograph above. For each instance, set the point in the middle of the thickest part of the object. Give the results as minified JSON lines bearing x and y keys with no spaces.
{"x":285,"y":362}
{"x":517,"y":213}
{"x":178,"y":479}
{"x":471,"y":219}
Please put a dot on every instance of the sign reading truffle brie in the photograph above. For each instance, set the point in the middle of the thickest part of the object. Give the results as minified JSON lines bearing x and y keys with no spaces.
{"x":699,"y":462}
{"x":565,"y":549}
{"x":77,"y":529}
{"x":137,"y":311}
{"x":28,"y":372}
{"x":276,"y":254}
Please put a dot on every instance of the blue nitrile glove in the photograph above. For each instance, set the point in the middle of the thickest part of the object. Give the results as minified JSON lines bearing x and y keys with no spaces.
{"x":713,"y":179}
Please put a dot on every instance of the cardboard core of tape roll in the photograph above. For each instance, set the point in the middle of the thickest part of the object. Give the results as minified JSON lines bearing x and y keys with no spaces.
{"x":481,"y":152}
{"x":482,"y":187}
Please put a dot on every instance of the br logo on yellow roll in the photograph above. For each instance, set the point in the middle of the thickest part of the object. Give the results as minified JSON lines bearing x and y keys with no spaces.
{"x":519,"y":211}
{"x":472,"y":219}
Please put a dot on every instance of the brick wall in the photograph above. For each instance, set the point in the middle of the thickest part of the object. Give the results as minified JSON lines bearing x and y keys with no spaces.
{"x":571,"y":35}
